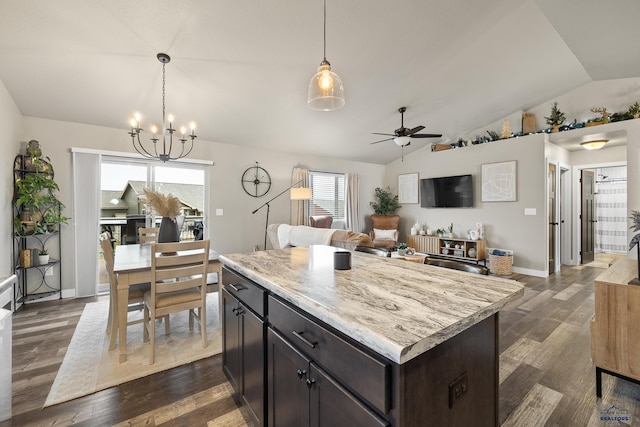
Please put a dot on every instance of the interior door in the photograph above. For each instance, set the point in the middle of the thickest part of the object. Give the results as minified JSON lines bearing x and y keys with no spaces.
{"x":553,"y":220}
{"x":587,"y":216}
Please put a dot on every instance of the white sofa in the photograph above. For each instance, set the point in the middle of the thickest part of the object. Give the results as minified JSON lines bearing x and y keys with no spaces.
{"x":285,"y":235}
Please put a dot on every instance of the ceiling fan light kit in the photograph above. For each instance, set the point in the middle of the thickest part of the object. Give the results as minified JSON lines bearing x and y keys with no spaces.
{"x":326,"y":92}
{"x":165,"y":153}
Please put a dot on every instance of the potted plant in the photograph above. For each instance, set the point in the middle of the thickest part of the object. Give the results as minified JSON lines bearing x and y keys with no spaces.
{"x":451,"y":230}
{"x":556,"y":118}
{"x":385,"y":202}
{"x":440,"y":232}
{"x":43,"y":256}
{"x":39,"y":209}
{"x":402,"y":249}
{"x":634,"y":110}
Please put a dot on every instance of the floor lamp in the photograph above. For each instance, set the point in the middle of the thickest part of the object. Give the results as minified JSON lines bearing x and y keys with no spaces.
{"x":297,"y":193}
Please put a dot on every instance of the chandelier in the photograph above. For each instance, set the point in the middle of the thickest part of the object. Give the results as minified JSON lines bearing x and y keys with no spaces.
{"x":326,"y":92}
{"x":163,"y":152}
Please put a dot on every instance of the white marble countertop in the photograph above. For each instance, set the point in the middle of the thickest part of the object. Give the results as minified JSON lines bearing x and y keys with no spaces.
{"x":398,"y":309}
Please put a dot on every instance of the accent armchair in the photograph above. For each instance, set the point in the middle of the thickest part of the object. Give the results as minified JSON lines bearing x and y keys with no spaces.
{"x":385,"y":231}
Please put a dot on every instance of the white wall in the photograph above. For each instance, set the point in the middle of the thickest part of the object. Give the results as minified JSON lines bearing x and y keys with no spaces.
{"x":237,"y":230}
{"x":10,"y":133}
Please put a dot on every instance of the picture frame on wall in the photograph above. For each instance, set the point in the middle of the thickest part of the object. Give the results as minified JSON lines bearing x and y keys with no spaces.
{"x":408,"y":190}
{"x":499,"y":182}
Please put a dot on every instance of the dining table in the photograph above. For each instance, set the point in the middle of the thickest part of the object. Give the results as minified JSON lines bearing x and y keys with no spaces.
{"x":132,"y":265}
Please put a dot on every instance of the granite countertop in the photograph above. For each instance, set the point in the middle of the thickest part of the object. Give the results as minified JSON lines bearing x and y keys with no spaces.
{"x":398,"y":309}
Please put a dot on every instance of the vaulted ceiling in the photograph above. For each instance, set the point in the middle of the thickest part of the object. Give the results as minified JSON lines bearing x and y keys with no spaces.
{"x":241,"y":68}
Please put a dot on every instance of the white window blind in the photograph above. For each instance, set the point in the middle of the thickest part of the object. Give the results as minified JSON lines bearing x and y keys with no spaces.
{"x":328,"y":194}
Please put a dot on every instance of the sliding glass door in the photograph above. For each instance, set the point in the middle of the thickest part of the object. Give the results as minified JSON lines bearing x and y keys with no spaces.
{"x":122,"y":210}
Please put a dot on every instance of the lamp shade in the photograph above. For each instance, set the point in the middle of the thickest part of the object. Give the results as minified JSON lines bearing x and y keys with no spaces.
{"x":402,"y":140}
{"x":594,"y":145}
{"x":301,"y":194}
{"x":326,"y":92}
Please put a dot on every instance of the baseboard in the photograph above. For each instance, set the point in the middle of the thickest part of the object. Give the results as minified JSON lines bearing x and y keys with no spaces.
{"x":68,"y":293}
{"x":530,"y":272}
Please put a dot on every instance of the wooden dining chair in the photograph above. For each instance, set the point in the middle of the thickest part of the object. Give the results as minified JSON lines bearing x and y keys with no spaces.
{"x":136,"y":296}
{"x":148,"y":234}
{"x":178,"y":283}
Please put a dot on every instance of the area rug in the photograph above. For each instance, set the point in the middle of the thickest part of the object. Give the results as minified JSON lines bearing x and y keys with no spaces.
{"x":89,"y":366}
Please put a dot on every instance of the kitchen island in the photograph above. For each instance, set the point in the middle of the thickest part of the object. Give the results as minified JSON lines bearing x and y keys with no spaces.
{"x":389,"y":342}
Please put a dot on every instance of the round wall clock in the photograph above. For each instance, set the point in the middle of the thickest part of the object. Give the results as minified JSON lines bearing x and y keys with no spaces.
{"x":256,"y":181}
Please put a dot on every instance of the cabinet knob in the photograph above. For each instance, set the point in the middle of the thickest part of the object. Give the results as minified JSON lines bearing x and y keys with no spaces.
{"x":310,"y":383}
{"x":301,"y":373}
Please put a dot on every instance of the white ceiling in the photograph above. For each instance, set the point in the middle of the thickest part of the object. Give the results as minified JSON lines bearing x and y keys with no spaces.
{"x":241,"y":68}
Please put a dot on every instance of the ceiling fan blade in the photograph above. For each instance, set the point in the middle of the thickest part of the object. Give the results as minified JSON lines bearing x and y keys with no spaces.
{"x":426,"y":135}
{"x":414,"y":130}
{"x":387,"y":134}
{"x":382,"y":140}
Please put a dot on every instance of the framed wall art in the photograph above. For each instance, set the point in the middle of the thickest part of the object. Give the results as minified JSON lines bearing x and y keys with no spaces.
{"x":408,"y":188}
{"x":499,"y":182}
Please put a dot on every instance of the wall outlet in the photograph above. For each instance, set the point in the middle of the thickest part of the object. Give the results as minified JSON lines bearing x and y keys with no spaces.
{"x":458,"y":388}
{"x":219,"y":212}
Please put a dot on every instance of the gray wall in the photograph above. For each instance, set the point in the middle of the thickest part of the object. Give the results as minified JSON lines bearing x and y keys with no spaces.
{"x":237,"y":230}
{"x":505,"y":224}
{"x":10,"y":135}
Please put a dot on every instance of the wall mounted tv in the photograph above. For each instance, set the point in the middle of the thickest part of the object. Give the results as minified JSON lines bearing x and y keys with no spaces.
{"x":447,"y":192}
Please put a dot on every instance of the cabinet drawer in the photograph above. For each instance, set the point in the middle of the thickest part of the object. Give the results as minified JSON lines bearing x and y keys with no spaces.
{"x":360,"y":372}
{"x":252,"y":295}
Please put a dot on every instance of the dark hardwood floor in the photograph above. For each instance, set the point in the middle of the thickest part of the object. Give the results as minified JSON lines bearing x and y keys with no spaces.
{"x":545,"y":369}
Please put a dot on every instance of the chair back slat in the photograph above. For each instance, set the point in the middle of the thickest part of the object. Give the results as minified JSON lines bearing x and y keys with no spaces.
{"x":177,"y":266}
{"x":148,"y":234}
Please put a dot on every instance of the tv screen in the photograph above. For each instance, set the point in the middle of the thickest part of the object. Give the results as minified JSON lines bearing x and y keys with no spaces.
{"x":447,"y":192}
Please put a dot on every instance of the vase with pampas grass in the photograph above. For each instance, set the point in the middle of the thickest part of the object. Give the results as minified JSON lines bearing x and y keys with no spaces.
{"x":167,"y":206}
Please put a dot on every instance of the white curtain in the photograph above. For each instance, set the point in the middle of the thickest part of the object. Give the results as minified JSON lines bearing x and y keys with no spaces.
{"x":299,"y":208}
{"x":611,"y":210}
{"x":86,"y":205}
{"x":353,"y":202}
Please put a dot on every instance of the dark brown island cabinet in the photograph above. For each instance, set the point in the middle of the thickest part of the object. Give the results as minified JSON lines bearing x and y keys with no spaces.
{"x":291,"y":369}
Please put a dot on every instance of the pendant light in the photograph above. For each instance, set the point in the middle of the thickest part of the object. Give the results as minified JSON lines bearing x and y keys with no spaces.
{"x":326,"y":92}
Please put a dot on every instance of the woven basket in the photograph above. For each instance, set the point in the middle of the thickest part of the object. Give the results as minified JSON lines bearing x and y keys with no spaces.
{"x":500,"y":265}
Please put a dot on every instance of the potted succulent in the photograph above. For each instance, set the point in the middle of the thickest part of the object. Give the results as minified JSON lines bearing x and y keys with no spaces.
{"x":39,"y":209}
{"x":43,"y":257}
{"x":402,"y":249}
{"x":556,"y":118}
{"x":451,"y":230}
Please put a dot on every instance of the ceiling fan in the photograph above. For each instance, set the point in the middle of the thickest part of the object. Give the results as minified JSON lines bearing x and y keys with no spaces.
{"x":403,"y":136}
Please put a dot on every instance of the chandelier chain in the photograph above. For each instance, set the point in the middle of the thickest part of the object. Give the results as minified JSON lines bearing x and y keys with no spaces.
{"x":163,"y":84}
{"x":324,"y":32}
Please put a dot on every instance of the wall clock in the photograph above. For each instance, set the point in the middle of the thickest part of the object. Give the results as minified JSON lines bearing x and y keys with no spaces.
{"x":256,"y":181}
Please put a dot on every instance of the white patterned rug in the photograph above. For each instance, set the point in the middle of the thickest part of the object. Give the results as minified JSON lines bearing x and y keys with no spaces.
{"x":89,"y":366}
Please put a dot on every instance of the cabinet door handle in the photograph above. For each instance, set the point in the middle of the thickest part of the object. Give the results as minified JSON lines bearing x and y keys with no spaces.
{"x":303,"y":339}
{"x":301,"y":373}
{"x":239,"y":311}
{"x":310,"y":382}
{"x":236,"y":288}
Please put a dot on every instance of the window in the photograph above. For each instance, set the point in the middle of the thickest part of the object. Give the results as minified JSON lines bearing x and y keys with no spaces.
{"x":328,"y":194}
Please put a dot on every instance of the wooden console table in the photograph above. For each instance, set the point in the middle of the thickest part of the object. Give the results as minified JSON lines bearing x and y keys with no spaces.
{"x":615,"y":327}
{"x":435,"y":246}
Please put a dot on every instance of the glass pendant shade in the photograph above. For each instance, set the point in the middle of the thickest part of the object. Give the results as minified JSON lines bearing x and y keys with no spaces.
{"x":326,"y":92}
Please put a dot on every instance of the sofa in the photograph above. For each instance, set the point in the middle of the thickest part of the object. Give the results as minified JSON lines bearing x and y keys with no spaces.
{"x":285,"y":235}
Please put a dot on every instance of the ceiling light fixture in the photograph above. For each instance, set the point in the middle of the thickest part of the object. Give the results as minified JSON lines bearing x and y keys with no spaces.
{"x":402,"y":140}
{"x":326,"y":92}
{"x":167,"y":125}
{"x":595,"y":144}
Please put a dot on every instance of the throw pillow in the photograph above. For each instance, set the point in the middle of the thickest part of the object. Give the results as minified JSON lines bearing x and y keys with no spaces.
{"x":384,"y":234}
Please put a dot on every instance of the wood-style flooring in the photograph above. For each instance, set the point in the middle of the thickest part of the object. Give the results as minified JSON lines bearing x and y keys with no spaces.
{"x":546,"y":375}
